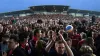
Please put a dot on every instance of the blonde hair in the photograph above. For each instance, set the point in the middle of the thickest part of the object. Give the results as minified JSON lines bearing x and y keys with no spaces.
{"x":86,"y":49}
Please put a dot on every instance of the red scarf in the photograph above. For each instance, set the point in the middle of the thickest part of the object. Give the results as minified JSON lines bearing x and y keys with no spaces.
{"x":34,"y":38}
{"x":24,"y":46}
{"x":10,"y":52}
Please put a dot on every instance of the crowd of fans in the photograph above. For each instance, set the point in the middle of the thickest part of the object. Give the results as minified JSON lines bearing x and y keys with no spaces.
{"x":45,"y":35}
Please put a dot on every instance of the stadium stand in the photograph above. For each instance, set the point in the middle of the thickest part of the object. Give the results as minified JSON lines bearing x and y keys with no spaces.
{"x":40,"y":31}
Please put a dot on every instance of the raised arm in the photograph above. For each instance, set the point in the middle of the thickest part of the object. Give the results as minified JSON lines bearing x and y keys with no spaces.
{"x":51,"y":43}
{"x":67,"y":48}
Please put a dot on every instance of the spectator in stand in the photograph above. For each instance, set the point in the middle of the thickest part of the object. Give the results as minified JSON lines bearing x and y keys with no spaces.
{"x":23,"y":43}
{"x":38,"y":37}
{"x":61,"y":47}
{"x":86,"y":51}
{"x":75,"y":51}
{"x":14,"y":49}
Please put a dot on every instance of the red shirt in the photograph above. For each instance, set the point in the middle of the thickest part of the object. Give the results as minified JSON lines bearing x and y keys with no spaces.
{"x":75,"y":39}
{"x":81,"y":42}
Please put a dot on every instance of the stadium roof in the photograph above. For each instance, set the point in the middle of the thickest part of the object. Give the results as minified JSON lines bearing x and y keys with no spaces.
{"x":16,"y":12}
{"x":50,"y":8}
{"x":83,"y":11}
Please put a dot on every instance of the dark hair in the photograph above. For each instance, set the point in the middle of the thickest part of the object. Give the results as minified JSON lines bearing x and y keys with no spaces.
{"x":89,"y":40}
{"x":50,"y":33}
{"x":68,"y":39}
{"x":65,"y":35}
{"x":6,"y":36}
{"x":14,"y":37}
{"x":23,"y":36}
{"x":59,"y":41}
{"x":36,"y":31}
{"x":1,"y":36}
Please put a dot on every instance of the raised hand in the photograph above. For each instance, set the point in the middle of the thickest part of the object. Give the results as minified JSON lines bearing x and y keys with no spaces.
{"x":4,"y":54}
{"x":68,"y":50}
{"x":49,"y":33}
{"x":51,"y":43}
{"x":61,"y":36}
{"x":53,"y":36}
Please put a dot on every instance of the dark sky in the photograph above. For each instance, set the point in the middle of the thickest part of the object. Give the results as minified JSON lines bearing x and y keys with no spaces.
{"x":14,"y":5}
